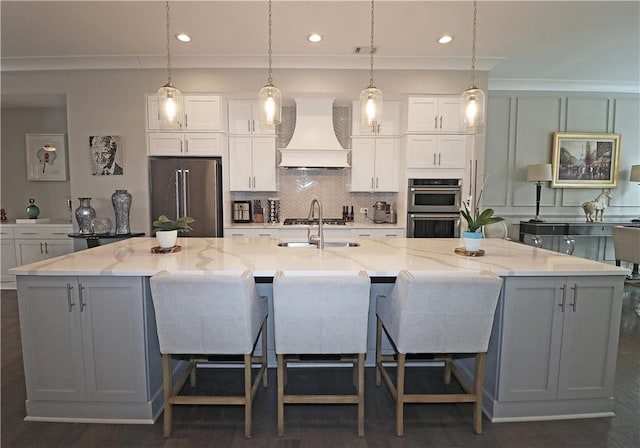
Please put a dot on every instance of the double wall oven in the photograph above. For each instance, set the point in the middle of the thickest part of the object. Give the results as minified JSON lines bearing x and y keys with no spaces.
{"x":433,"y":208}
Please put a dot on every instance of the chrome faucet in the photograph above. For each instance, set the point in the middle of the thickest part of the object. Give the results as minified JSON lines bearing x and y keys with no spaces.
{"x":318,"y":239}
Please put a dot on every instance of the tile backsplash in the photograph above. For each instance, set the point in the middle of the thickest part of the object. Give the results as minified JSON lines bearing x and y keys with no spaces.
{"x":299,"y":187}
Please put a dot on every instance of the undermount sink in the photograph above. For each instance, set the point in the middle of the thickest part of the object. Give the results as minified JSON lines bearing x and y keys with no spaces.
{"x":326,"y":244}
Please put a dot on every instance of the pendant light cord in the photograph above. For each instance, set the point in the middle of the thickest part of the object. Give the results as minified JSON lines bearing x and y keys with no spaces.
{"x":168,"y":43}
{"x":473,"y":45}
{"x":372,"y":49}
{"x":269,"y":78}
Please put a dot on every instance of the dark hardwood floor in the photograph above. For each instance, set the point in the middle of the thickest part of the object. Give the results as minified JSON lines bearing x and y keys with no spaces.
{"x":442,"y":425}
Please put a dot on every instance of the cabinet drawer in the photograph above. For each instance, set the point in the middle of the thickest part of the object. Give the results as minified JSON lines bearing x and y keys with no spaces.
{"x":6,"y":232}
{"x":33,"y":232}
{"x":251,"y":233}
{"x":377,"y":233}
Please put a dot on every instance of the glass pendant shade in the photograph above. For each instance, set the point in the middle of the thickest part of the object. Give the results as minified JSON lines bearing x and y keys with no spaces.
{"x":370,"y":106}
{"x":270,"y":100}
{"x":473,"y":109}
{"x":169,"y":105}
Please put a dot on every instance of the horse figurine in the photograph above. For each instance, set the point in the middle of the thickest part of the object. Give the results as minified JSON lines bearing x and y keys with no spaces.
{"x":592,"y":208}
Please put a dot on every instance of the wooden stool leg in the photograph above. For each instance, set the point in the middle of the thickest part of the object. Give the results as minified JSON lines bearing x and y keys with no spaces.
{"x":378,"y":349}
{"x":400,"y":395}
{"x":280,"y":371}
{"x":477,"y":390}
{"x":361,"y":395}
{"x":168,"y":387}
{"x":247,"y":396}
{"x":264,"y":352}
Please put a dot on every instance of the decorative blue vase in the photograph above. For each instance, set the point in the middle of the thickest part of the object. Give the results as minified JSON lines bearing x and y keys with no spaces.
{"x":33,"y":211}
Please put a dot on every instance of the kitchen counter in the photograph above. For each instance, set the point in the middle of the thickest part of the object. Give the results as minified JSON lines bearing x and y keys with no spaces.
{"x":87,"y":317}
{"x":378,"y":257}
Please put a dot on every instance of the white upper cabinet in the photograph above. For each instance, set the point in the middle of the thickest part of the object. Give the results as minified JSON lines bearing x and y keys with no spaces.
{"x":186,"y":144}
{"x":436,"y":151}
{"x":252,"y":164}
{"x":201,"y":113}
{"x":388,"y":127}
{"x":244,"y":119}
{"x":437,"y":114}
{"x":374,"y":164}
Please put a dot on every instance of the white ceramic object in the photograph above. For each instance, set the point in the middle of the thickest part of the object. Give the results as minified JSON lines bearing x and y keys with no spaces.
{"x":167,"y":238}
{"x":472,"y":241}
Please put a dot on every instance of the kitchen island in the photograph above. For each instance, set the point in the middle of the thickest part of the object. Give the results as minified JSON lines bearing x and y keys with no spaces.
{"x":91,"y":351}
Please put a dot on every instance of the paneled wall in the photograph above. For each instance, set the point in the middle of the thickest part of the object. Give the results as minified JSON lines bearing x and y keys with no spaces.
{"x":520,"y":127}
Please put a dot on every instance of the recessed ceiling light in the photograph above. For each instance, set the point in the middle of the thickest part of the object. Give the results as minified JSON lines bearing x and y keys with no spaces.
{"x":314,"y":37}
{"x":182,"y":37}
{"x":445,"y":39}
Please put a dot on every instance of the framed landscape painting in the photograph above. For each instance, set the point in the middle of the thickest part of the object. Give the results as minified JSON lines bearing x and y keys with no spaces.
{"x":46,"y":157}
{"x":585,"y":160}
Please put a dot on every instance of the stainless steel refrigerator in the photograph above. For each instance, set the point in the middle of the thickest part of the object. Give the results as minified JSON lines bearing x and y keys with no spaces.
{"x":187,"y":186}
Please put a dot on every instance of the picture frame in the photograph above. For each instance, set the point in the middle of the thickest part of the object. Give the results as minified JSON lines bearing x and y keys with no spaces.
{"x":585,"y":160}
{"x":46,"y":157}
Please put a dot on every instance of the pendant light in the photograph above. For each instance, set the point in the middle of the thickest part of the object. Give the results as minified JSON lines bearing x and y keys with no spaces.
{"x":269,"y":97}
{"x":371,"y":97}
{"x":473,"y":99}
{"x":169,"y":98}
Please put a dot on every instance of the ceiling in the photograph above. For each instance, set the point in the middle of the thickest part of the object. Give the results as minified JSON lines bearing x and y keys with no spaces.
{"x":548,"y":45}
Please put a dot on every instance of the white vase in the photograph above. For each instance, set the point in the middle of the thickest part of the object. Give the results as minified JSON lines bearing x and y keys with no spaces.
{"x":472,"y":241}
{"x":167,"y":238}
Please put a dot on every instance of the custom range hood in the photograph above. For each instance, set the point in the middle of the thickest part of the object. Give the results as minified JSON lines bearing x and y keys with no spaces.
{"x":314,"y":143}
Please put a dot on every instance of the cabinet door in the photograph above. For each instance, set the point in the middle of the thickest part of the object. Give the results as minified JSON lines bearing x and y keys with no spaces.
{"x":30,"y":251}
{"x":153,"y":122}
{"x":8,"y":259}
{"x":203,"y":113}
{"x":449,"y":114}
{"x":56,"y":248}
{"x":590,"y":338}
{"x":166,"y":144}
{"x":362,"y":164}
{"x":203,"y":144}
{"x":51,"y":338}
{"x":240,"y":119}
{"x":422,"y":114}
{"x":422,"y":151}
{"x":452,"y":151}
{"x":388,"y":126}
{"x":113,"y":338}
{"x":531,"y":338}
{"x":386,"y":165}
{"x":264,"y":164}
{"x":240,"y":169}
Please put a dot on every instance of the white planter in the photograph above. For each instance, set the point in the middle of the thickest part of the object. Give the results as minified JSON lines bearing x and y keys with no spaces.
{"x":167,"y":238}
{"x":472,"y":241}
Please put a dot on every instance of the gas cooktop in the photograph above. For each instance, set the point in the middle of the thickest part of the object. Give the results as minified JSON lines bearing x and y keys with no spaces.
{"x":305,"y":221}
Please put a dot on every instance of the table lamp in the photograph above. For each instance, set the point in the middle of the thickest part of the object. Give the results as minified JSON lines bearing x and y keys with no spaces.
{"x":538,"y":173}
{"x":635,"y":177}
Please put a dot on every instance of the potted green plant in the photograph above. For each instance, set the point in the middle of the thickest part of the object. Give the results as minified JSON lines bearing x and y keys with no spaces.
{"x":166,"y":230}
{"x":476,"y":219}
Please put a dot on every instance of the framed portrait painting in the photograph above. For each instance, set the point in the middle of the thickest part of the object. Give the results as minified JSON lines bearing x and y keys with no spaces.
{"x":585,"y":160}
{"x":46,"y":157}
{"x":106,"y":155}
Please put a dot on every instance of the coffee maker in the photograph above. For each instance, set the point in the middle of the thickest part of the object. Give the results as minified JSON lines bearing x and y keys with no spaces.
{"x":381,"y":212}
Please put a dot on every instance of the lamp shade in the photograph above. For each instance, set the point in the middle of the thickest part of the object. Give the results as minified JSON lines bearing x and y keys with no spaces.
{"x":539,"y":172}
{"x":635,"y":173}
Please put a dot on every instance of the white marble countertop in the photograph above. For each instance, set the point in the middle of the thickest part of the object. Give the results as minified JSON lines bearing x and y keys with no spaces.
{"x":379,"y":257}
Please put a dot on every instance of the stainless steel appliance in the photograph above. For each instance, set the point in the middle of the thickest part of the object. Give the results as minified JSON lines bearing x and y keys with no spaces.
{"x":433,"y":208}
{"x":187,"y":186}
{"x":381,"y":212}
{"x":241,"y":211}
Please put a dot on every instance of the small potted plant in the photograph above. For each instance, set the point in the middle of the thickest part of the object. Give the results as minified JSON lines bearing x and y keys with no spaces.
{"x":476,"y":219}
{"x":166,"y":230}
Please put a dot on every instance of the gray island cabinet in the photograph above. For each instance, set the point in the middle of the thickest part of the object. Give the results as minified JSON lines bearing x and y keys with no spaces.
{"x":91,"y":352}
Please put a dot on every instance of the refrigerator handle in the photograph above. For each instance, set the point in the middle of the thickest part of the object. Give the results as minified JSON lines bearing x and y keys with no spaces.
{"x":177,"y":173}
{"x":185,"y":193}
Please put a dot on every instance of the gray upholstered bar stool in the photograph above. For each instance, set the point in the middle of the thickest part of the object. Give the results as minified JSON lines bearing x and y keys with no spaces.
{"x":211,"y":314}
{"x":440,"y":314}
{"x":321,"y":315}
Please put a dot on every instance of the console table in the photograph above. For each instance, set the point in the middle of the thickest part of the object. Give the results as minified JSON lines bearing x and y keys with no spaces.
{"x":585,"y":239}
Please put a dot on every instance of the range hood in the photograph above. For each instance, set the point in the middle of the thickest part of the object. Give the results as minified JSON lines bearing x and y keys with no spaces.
{"x":314,"y":143}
